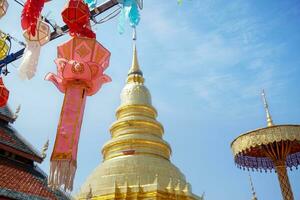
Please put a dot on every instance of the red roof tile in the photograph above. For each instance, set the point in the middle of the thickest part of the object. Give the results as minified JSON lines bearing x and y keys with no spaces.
{"x":20,"y":179}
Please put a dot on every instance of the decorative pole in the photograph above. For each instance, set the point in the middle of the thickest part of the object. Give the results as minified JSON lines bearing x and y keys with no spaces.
{"x":252,"y":189}
{"x":273,"y":147}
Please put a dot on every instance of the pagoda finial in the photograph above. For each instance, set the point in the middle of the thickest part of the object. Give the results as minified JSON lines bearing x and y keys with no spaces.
{"x":202,"y":196}
{"x":45,"y":148}
{"x":89,"y":196}
{"x":269,"y":117}
{"x":17,"y":112}
{"x":135,"y":67}
{"x":252,"y":189}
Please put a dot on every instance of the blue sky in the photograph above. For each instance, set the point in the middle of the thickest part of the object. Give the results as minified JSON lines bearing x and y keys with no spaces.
{"x":205,"y":63}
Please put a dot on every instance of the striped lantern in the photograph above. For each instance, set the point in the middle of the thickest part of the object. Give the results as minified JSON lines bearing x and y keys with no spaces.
{"x":4,"y":47}
{"x":3,"y":7}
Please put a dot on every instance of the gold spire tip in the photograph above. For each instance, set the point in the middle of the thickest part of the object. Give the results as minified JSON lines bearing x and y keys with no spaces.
{"x":269,"y":117}
{"x":135,"y":67}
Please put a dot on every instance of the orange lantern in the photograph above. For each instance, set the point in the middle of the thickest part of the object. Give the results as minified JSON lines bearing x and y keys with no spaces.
{"x":3,"y":7}
{"x":42,"y":33}
{"x":4,"y":93}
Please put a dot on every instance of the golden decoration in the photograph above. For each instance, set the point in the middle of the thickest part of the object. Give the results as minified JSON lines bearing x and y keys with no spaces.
{"x":136,"y":159}
{"x":273,"y":147}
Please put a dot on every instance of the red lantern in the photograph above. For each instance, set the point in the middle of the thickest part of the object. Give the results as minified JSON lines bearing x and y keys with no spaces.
{"x":3,"y":7}
{"x":4,"y":93}
{"x":76,"y":15}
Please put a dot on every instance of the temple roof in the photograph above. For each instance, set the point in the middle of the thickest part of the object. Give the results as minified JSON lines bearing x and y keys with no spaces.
{"x":20,"y":178}
{"x":13,"y":142}
{"x":23,"y":182}
{"x":7,"y":115}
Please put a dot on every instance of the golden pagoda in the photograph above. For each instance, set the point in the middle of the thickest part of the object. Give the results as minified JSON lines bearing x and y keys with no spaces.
{"x":136,"y":162}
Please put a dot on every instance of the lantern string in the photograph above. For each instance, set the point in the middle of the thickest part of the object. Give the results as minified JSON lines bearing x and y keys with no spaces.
{"x":18,"y":2}
{"x":16,"y":40}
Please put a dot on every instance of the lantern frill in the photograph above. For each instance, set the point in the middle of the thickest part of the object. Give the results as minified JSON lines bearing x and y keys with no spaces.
{"x":129,"y":12}
{"x":80,"y":66}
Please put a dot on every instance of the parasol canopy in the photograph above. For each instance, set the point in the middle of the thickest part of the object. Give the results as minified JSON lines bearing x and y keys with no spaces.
{"x":248,"y":149}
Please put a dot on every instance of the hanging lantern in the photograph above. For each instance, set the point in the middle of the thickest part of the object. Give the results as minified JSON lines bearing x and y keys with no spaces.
{"x":91,"y":3}
{"x":31,"y":55}
{"x":4,"y":93}
{"x":3,"y":7}
{"x":4,"y":46}
{"x":30,"y":15}
{"x":129,"y":12}
{"x":76,"y":15}
{"x":42,"y":35}
{"x":80,"y":66}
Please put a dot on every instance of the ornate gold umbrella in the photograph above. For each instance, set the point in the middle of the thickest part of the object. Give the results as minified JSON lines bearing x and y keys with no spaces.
{"x":273,"y":147}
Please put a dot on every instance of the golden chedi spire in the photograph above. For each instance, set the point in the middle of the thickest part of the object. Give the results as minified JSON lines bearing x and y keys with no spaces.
{"x":136,"y":159}
{"x":266,"y":105}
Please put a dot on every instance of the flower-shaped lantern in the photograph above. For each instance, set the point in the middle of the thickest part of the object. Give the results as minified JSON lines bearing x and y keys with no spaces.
{"x":80,"y":66}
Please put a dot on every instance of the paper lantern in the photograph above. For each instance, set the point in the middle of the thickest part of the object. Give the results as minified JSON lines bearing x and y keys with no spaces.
{"x":3,"y":7}
{"x":4,"y":46}
{"x":32,"y":51}
{"x":80,"y":66}
{"x":76,"y":15}
{"x":42,"y":35}
{"x":129,"y":12}
{"x":4,"y":93}
{"x":31,"y":14}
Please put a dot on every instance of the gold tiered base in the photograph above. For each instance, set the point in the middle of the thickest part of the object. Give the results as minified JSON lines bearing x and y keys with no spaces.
{"x":145,"y":195}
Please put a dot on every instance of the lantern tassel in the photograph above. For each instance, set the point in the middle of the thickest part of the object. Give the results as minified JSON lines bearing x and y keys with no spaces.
{"x":62,"y":172}
{"x":29,"y":63}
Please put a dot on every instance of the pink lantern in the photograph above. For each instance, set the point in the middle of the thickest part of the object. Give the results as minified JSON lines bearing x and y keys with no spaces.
{"x":3,"y":7}
{"x":80,"y":66}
